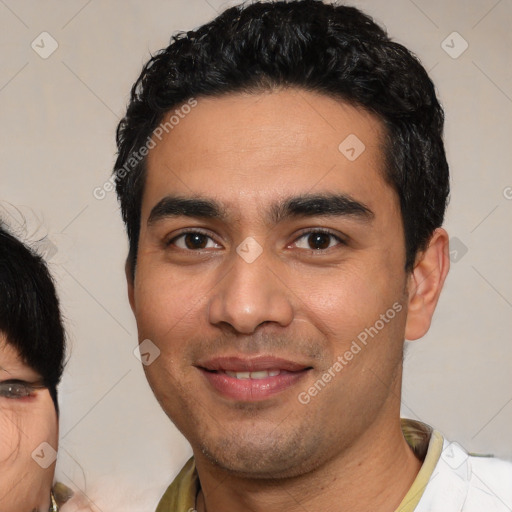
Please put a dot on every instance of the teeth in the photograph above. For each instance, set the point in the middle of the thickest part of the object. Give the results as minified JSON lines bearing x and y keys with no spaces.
{"x":260,"y":375}
{"x":239,"y":375}
{"x":253,"y":375}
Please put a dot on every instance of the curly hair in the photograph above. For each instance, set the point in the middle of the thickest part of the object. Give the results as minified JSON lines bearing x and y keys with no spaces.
{"x":332,"y":49}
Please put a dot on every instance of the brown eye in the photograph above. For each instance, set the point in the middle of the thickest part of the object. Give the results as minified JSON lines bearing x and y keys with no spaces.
{"x":193,"y":241}
{"x":318,"y":241}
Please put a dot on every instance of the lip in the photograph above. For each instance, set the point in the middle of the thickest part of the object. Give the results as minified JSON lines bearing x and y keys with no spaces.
{"x":251,"y":364}
{"x":251,"y":390}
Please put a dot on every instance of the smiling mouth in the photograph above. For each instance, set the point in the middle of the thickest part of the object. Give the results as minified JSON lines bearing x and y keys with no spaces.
{"x":253,"y":379}
{"x":253,"y":375}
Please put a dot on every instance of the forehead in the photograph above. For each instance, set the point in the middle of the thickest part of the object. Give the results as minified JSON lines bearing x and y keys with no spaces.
{"x":248,"y":149}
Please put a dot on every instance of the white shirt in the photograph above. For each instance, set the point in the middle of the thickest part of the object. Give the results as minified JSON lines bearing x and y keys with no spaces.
{"x":466,"y":483}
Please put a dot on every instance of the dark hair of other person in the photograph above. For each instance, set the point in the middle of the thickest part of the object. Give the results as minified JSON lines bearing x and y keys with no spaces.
{"x":30,"y":317}
{"x":324,"y":48}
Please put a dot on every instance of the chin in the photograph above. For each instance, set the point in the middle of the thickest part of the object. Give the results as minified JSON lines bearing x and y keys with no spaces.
{"x":269,"y":461}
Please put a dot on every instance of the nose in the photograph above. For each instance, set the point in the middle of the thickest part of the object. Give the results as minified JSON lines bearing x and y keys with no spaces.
{"x":250,"y":294}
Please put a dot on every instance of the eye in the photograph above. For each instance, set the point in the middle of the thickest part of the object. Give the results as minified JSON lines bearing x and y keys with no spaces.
{"x":15,"y":389}
{"x":318,"y":240}
{"x":193,"y":241}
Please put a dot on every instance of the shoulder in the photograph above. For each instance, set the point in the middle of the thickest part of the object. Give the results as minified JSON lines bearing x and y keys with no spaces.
{"x":181,"y":494}
{"x":468,"y":483}
{"x":491,"y":478}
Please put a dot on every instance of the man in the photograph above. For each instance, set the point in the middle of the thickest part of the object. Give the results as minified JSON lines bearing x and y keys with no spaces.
{"x":283,"y":180}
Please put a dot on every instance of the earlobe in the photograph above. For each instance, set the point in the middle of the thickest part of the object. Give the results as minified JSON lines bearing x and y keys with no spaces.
{"x":425,"y":284}
{"x":130,"y":284}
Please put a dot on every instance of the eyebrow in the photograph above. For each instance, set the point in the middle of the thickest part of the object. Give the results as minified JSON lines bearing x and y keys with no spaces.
{"x":320,"y":205}
{"x":173,"y":206}
{"x":306,"y":205}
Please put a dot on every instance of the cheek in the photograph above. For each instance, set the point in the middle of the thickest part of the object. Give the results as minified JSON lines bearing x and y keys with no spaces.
{"x":10,"y":437}
{"x":170,"y":308}
{"x":42,"y":424}
{"x":345,"y":302}
{"x":39,"y":424}
{"x":361,"y":315}
{"x":23,"y":427}
{"x":168,"y":303}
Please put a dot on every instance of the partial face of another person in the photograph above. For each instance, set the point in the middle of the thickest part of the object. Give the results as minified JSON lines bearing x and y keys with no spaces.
{"x":266,"y":249}
{"x":27,"y":419}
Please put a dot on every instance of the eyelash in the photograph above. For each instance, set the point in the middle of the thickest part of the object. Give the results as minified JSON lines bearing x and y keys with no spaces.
{"x":185,"y":233}
{"x":17,"y":389}
{"x":302,"y":235}
{"x":321,"y":231}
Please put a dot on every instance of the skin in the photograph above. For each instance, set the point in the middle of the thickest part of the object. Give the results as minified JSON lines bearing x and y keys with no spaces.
{"x":344,"y":450}
{"x":25,"y":423}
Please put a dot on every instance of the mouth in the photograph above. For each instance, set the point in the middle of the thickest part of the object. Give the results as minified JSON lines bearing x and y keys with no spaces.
{"x":253,"y":375}
{"x":251,"y":379}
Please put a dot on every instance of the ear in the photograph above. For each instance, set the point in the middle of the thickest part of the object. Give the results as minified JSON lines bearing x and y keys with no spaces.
{"x":130,"y":284}
{"x":425,"y":284}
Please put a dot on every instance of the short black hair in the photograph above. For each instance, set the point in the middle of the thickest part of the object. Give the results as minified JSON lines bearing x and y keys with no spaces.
{"x":30,"y":317}
{"x":332,"y":49}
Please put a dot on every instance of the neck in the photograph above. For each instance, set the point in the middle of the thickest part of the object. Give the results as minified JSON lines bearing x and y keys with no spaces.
{"x":375,"y":474}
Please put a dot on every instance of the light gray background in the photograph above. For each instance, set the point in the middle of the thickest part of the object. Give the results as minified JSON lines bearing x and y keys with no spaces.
{"x":57,"y":131}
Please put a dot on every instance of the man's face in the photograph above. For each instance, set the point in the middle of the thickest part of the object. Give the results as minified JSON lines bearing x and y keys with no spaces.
{"x":296,"y":251}
{"x":27,"y":420}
